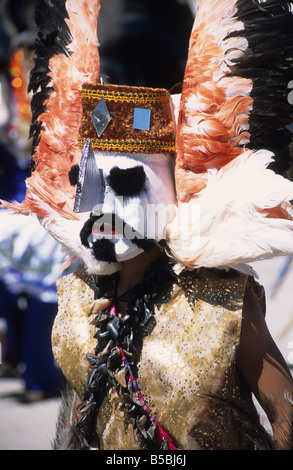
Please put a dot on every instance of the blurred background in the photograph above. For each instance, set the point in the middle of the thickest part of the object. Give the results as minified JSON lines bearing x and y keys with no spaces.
{"x":134,"y":35}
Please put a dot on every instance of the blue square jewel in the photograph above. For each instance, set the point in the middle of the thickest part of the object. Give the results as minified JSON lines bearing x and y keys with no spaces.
{"x":142,"y":119}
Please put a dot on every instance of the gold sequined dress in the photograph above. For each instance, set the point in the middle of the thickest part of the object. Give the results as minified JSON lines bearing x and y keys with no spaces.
{"x":186,"y":368}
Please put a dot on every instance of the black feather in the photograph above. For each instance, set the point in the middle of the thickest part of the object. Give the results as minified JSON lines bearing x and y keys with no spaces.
{"x":53,"y":37}
{"x":268,"y":62}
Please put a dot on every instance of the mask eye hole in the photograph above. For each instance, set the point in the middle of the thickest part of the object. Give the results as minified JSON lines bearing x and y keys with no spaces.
{"x":128,"y":182}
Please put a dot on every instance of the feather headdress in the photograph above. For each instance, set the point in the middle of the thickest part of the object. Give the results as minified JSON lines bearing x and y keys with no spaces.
{"x":233,"y":207}
{"x":66,"y":57}
{"x":232,"y":138}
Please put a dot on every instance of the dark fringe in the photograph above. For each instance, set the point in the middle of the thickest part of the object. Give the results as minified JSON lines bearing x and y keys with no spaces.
{"x":269,"y":63}
{"x":67,"y":435}
{"x":252,"y":431}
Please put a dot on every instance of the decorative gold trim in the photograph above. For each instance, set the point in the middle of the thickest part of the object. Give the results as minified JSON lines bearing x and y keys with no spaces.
{"x":126,"y":97}
{"x":153,"y":146}
{"x":120,"y":134}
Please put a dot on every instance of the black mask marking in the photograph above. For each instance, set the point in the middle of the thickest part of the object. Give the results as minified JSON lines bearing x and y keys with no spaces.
{"x":87,"y":230}
{"x":128,"y":182}
{"x":103,"y":249}
{"x":73,"y":175}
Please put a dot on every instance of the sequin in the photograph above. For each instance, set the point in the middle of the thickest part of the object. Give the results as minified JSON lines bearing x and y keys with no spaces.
{"x":101,"y":117}
{"x":142,"y":119}
{"x":73,"y":334}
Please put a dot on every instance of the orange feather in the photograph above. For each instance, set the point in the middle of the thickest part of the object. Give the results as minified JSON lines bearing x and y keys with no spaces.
{"x":213,"y":115}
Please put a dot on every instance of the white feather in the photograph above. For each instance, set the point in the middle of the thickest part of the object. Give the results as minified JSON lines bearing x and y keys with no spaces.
{"x":227,"y":224}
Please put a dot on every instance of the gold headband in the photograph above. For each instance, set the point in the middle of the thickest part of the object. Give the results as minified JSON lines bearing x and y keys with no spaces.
{"x":120,"y":105}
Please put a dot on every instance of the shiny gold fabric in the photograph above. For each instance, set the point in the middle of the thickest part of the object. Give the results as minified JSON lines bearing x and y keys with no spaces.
{"x":73,"y":335}
{"x":187,"y":369}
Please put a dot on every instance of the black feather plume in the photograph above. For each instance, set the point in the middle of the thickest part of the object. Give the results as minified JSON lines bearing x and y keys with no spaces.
{"x":53,"y":37}
{"x":268,"y":62}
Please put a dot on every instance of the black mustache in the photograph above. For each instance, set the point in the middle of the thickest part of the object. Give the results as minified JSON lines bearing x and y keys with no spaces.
{"x":144,"y":243}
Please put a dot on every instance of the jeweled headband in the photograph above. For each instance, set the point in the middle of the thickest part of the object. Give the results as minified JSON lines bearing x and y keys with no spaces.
{"x":127,"y":119}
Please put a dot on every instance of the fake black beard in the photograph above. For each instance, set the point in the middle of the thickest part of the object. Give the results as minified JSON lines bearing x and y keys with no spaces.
{"x":103,"y":249}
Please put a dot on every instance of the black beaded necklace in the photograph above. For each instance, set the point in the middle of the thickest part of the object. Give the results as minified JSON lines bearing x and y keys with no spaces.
{"x":119,"y":340}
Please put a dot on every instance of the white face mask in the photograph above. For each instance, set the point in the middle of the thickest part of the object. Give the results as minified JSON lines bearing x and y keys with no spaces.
{"x":134,"y":202}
